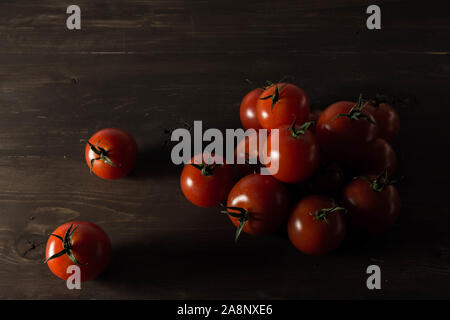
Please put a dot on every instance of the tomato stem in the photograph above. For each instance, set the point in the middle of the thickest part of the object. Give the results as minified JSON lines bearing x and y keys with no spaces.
{"x":355,"y":112}
{"x":67,"y":246}
{"x":243,"y":216}
{"x":102,"y":155}
{"x":322,"y":214}
{"x":380,"y":182}
{"x":297,"y":132}
{"x":275,"y":96}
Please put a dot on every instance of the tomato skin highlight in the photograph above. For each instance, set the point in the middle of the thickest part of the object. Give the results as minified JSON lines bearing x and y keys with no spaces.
{"x":315,"y":237}
{"x":91,"y":247}
{"x":380,"y":156}
{"x":292,"y":101}
{"x":206,"y":191}
{"x":296,"y":159}
{"x":387,"y":120}
{"x":369,"y":211}
{"x":342,"y":139}
{"x":247,"y":110}
{"x":121,"y":148}
{"x":266,"y":200}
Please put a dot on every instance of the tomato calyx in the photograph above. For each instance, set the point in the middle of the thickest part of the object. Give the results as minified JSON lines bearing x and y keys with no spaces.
{"x":206,"y":169}
{"x":67,"y":246}
{"x":322,"y":214}
{"x":380,"y":182}
{"x":297,"y":132}
{"x":355,"y":112}
{"x":243,"y":216}
{"x":275,"y":96}
{"x":102,"y":155}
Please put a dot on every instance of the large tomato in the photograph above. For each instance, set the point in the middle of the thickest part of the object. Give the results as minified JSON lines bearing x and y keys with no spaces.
{"x":345,"y":131}
{"x":78,"y":243}
{"x":258,"y":204}
{"x":206,"y":185}
{"x":316,"y":225}
{"x":386,"y":117}
{"x":373,"y":204}
{"x":279,"y":102}
{"x":111,"y":153}
{"x":297,"y":155}
{"x":380,"y":156}
{"x":248,"y":116}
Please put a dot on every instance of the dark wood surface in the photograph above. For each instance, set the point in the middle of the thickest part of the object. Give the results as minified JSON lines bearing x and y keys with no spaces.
{"x":151,"y":66}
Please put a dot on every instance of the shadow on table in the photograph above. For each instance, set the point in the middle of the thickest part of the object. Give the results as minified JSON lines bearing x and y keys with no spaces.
{"x":171,"y":269}
{"x":154,"y":161}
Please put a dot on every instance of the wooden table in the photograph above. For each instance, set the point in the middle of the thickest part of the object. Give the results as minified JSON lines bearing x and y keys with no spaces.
{"x":152,"y":66}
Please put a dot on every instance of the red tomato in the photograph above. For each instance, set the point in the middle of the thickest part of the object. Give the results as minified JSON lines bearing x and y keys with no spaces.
{"x":279,"y":102}
{"x":328,"y":179}
{"x":316,"y":225}
{"x":258,"y":204}
{"x":206,"y":185}
{"x":78,"y":243}
{"x":345,"y":131}
{"x":380,"y":156}
{"x":373,"y":206}
{"x":111,"y":153}
{"x":386,"y":117}
{"x":247,"y":154}
{"x":296,"y":157}
{"x":248,"y":116}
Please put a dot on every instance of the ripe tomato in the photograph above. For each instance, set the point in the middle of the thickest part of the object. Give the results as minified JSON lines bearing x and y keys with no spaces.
{"x":386,"y":117}
{"x":345,"y":131}
{"x":279,"y":102}
{"x":316,"y":225}
{"x":78,"y":243}
{"x":111,"y":153}
{"x":297,"y":155}
{"x":328,"y":179}
{"x":257,"y":205}
{"x":206,"y":185}
{"x":247,"y":154}
{"x":248,"y":116}
{"x":380,"y":156}
{"x":373,"y":204}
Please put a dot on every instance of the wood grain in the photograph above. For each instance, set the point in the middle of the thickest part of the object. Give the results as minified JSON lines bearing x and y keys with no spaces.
{"x":151,"y":66}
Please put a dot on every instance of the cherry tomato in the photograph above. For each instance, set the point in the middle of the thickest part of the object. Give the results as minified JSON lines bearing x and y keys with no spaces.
{"x":206,"y":185}
{"x":373,"y":204}
{"x":328,"y":179}
{"x":316,"y":225}
{"x":78,"y":243}
{"x":248,"y":116}
{"x":380,"y":156}
{"x":386,"y":117}
{"x":111,"y":153}
{"x":258,"y":204}
{"x":279,"y":102}
{"x":345,"y":131}
{"x":247,"y":154}
{"x":297,"y":155}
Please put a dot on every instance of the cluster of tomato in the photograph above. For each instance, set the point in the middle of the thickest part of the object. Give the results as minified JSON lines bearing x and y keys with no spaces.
{"x":330,"y":169}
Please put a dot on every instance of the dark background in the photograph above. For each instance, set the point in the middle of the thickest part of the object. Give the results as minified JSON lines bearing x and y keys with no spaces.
{"x":151,"y":66}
